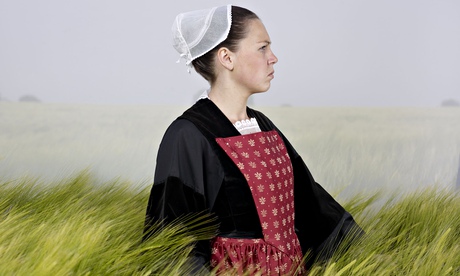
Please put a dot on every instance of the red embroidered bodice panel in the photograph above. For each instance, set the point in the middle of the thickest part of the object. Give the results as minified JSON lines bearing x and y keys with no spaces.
{"x":263,"y":159}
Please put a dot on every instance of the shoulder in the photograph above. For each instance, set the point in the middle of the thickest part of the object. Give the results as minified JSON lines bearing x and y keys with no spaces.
{"x":182,"y":132}
{"x":181,"y":127}
{"x":182,"y":153}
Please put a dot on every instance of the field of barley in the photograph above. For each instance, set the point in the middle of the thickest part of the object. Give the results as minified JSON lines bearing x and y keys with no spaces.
{"x":74,"y":183}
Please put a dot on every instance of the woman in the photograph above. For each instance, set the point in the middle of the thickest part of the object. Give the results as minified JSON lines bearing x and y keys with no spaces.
{"x":232,"y":161}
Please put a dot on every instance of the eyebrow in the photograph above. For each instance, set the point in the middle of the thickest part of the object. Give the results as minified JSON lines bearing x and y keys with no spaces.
{"x":265,"y":41}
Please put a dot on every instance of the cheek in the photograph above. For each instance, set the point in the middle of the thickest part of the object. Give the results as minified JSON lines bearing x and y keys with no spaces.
{"x":253,"y":66}
{"x":252,"y":69}
{"x":247,"y":69}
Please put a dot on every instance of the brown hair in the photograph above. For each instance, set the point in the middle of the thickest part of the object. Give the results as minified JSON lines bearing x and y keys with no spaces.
{"x":204,"y":65}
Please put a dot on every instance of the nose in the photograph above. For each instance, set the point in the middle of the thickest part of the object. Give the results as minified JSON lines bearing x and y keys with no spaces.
{"x":273,"y":59}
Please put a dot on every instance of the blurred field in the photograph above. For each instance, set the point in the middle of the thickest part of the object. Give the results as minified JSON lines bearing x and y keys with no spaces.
{"x":51,"y":141}
{"x":362,"y":149}
{"x":347,"y":149}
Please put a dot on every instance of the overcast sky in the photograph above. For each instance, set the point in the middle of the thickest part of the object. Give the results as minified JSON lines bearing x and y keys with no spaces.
{"x":331,"y":52}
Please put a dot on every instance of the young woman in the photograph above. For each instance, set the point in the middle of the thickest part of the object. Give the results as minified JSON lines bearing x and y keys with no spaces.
{"x":225,"y":158}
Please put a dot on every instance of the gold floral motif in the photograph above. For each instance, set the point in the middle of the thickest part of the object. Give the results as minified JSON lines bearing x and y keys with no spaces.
{"x":269,"y":175}
{"x":263,"y":213}
{"x":262,"y":140}
{"x":265,"y":225}
{"x":262,"y":200}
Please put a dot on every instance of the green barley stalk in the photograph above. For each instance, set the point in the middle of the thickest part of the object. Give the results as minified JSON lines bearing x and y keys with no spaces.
{"x":81,"y":226}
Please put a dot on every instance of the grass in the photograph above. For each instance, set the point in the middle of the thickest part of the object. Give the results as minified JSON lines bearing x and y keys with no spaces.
{"x":415,"y":234}
{"x":80,"y":226}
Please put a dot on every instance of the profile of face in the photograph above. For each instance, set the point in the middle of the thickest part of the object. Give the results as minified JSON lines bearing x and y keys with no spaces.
{"x":254,"y":60}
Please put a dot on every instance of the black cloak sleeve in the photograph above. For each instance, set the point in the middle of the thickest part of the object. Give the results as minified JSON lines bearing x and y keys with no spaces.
{"x":187,"y":170}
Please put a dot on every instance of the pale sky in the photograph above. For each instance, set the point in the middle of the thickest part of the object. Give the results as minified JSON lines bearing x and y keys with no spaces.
{"x":331,"y":52}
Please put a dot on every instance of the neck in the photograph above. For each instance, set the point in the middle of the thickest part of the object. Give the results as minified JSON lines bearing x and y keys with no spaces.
{"x":230,"y":102}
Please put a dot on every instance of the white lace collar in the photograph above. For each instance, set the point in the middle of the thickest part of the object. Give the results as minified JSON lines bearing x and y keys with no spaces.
{"x":247,"y":126}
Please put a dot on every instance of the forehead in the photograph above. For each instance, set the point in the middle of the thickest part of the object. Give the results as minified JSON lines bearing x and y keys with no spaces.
{"x":257,"y":32}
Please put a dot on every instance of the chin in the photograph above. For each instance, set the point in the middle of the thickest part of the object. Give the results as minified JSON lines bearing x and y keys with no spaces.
{"x":260,"y":91}
{"x":263,"y":89}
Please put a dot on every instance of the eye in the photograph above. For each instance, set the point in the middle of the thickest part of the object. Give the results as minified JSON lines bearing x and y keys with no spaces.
{"x":263,"y":47}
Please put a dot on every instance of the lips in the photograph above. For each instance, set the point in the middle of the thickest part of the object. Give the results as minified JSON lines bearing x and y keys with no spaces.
{"x":272,"y":74}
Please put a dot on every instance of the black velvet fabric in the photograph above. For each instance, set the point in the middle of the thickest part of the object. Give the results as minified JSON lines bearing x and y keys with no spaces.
{"x":194,"y":174}
{"x":236,"y":211}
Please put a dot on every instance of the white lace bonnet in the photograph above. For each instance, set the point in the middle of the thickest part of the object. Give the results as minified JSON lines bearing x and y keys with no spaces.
{"x":197,"y":32}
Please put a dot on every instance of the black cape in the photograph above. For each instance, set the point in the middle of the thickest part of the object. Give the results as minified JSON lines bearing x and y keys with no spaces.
{"x":193,"y":174}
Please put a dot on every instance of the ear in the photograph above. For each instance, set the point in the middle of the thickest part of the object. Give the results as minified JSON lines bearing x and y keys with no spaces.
{"x":225,"y":57}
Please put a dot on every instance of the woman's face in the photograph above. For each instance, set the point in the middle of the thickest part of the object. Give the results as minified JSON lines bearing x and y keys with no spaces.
{"x":253,"y":67}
